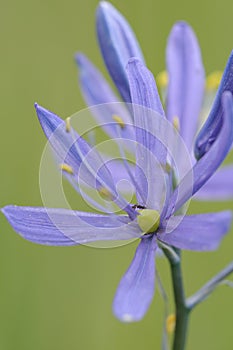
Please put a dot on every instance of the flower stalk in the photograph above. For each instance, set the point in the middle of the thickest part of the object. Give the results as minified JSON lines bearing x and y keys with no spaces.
{"x":209,"y":287}
{"x":182,"y":310}
{"x":185,"y":306}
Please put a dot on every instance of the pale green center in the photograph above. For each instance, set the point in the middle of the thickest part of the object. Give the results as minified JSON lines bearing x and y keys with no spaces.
{"x":148,"y":220}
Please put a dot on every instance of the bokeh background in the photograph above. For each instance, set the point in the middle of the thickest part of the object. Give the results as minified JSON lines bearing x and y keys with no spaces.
{"x":60,"y":298}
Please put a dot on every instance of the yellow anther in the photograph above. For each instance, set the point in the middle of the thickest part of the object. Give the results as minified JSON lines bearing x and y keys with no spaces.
{"x":176,"y":123}
{"x":67,"y":168}
{"x":68,"y":125}
{"x":105,"y":193}
{"x":119,"y":120}
{"x":162,"y":79}
{"x":213,"y":80}
{"x":167,"y":168}
{"x":170,"y":323}
{"x":148,"y":220}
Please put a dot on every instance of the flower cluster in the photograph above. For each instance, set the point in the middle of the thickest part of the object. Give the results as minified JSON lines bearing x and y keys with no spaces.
{"x":160,"y":189}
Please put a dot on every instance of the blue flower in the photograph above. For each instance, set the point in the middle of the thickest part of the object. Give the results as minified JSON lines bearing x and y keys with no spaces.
{"x":153,"y":222}
{"x":185,"y":90}
{"x":156,"y":220}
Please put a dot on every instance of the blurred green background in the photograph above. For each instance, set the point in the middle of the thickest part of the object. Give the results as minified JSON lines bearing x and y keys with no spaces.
{"x":60,"y":298}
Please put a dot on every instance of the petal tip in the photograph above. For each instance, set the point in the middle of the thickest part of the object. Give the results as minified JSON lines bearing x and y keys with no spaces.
{"x":133,"y":61}
{"x":83,"y":62}
{"x":182,"y":28}
{"x":104,"y":5}
{"x":182,"y":24}
{"x":127,"y":318}
{"x":38,"y":108}
{"x":4,"y":210}
{"x":7,"y":210}
{"x":79,"y":58}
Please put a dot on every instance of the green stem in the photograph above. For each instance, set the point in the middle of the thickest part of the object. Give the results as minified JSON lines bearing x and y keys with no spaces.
{"x":183,"y":306}
{"x":182,"y":311}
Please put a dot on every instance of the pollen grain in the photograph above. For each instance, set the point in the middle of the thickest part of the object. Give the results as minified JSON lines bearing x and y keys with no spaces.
{"x":67,"y":168}
{"x":119,"y":120}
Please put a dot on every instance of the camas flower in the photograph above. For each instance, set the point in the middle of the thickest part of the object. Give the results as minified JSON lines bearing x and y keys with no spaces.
{"x":153,"y":221}
{"x":185,"y":87}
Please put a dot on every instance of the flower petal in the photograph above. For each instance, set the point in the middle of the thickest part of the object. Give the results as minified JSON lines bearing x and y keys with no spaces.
{"x":210,"y":130}
{"x":96,"y":91}
{"x":118,"y":43}
{"x":85,"y":162}
{"x":186,"y":80}
{"x":120,"y":174}
{"x":61,"y":141}
{"x":143,"y":87}
{"x":207,"y":165}
{"x":94,"y":87}
{"x":218,"y":187}
{"x":67,"y":227}
{"x":201,"y":232}
{"x":150,"y":151}
{"x":136,"y":289}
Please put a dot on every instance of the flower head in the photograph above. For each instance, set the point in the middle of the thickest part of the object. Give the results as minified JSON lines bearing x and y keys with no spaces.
{"x":160,"y":195}
{"x":154,"y":221}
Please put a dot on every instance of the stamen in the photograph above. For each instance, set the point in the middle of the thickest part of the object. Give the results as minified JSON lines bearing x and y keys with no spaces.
{"x":167,"y":167}
{"x":170,"y":323}
{"x":162,"y":79}
{"x":68,"y":125}
{"x":148,"y":220}
{"x":87,"y":164}
{"x":176,"y":123}
{"x":213,"y":80}
{"x":119,"y":120}
{"x":67,"y":168}
{"x":92,"y":169}
{"x":89,"y":199}
{"x":105,"y":193}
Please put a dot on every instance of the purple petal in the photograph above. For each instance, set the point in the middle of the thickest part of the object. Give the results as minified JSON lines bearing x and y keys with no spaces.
{"x":86,"y":163}
{"x":120,"y":174}
{"x":117,"y":43}
{"x":212,"y":125}
{"x":62,"y":142}
{"x":218,"y":187}
{"x":208,"y":164}
{"x":186,"y":80}
{"x":94,"y":87}
{"x":136,"y":289}
{"x":150,"y":152}
{"x":143,"y":87}
{"x":96,"y":91}
{"x":197,"y":232}
{"x":63,"y":227}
